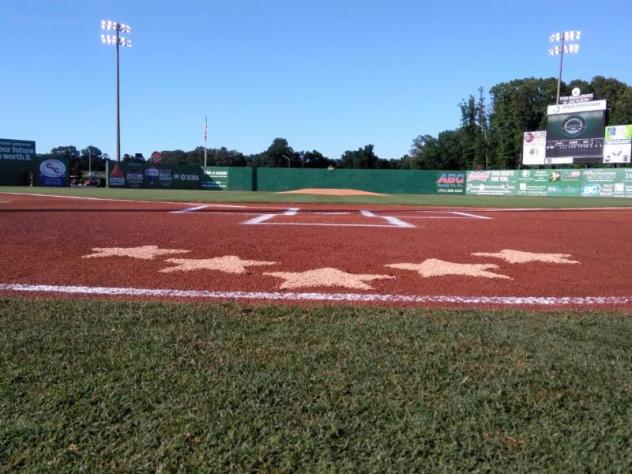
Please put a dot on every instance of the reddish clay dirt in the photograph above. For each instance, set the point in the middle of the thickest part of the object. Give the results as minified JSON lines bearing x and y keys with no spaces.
{"x":368,"y":250}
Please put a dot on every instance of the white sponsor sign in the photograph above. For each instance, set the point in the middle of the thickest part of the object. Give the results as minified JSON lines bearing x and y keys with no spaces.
{"x":534,"y":147}
{"x":576,"y":107}
{"x":52,"y":168}
{"x":617,"y":151}
{"x":617,"y":146}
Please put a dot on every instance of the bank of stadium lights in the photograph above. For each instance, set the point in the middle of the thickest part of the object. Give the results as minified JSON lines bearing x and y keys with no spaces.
{"x":566,"y":42}
{"x":116,"y":40}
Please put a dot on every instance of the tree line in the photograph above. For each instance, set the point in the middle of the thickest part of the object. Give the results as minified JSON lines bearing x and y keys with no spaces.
{"x":489,"y":134}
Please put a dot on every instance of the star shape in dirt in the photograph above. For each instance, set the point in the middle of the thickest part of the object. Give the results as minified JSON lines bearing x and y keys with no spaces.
{"x":433,"y":267}
{"x":145,"y":252}
{"x":516,"y":256}
{"x":326,"y":277}
{"x":226,"y":264}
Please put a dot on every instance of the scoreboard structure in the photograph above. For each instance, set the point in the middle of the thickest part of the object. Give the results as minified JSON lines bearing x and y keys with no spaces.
{"x":576,"y":133}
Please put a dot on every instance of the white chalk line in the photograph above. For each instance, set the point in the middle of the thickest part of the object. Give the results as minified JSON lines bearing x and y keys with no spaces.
{"x":330,"y":224}
{"x":290,"y":296}
{"x":431,"y":208}
{"x":266,"y":217}
{"x":91,"y":198}
{"x":393,"y":221}
{"x":259,"y":219}
{"x":473,"y":216}
{"x":436,"y":217}
{"x":188,"y":209}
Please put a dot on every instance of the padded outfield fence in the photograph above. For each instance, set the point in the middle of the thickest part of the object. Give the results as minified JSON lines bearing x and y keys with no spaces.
{"x":592,"y":182}
{"x":139,"y":175}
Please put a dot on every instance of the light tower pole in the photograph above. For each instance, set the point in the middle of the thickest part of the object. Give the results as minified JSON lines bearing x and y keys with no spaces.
{"x":117,"y":40}
{"x":566,"y":42}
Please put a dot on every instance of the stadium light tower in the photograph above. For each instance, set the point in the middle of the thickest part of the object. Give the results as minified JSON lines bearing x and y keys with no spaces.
{"x":566,"y":42}
{"x":118,"y":41}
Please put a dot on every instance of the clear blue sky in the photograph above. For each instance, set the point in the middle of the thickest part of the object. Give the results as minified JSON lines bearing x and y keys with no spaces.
{"x":330,"y":75}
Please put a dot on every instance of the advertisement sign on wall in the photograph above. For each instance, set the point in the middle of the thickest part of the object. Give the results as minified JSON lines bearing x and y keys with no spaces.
{"x":152,"y":176}
{"x":52,"y":172}
{"x":214,"y":178}
{"x":491,"y":183}
{"x":607,"y":183}
{"x":186,"y":177}
{"x":16,"y":150}
{"x":617,"y":146}
{"x":117,"y":176}
{"x":165,"y":178}
{"x":453,"y":183}
{"x":534,"y":147}
{"x":593,"y":182}
{"x":134,"y":175}
{"x":524,"y":182}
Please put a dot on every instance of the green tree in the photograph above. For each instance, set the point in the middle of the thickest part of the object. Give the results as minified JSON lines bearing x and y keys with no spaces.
{"x":315,"y":159}
{"x":474,"y":130}
{"x":280,"y":154}
{"x":622,"y":109}
{"x":67,"y":151}
{"x":451,"y":150}
{"x":173,"y":157}
{"x":517,"y":106}
{"x":425,"y":153}
{"x":92,"y":158}
{"x":362,"y":158}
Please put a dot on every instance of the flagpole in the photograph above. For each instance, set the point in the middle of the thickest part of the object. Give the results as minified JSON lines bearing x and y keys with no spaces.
{"x":205,"y":136}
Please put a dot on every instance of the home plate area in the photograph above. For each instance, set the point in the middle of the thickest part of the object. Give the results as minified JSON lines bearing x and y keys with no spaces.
{"x":308,"y":284}
{"x":356,"y":218}
{"x":316,"y":253}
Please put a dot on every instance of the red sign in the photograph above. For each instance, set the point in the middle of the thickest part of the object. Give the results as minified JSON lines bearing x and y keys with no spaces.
{"x":156,"y":158}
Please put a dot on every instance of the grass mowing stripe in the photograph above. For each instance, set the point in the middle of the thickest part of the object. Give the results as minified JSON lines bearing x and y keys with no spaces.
{"x":116,"y":386}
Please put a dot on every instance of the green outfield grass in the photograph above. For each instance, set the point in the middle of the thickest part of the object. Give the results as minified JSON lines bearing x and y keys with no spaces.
{"x":111,"y":386}
{"x":268,"y":197}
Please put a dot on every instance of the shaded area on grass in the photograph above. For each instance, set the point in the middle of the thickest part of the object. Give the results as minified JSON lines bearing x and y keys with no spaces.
{"x":148,"y":386}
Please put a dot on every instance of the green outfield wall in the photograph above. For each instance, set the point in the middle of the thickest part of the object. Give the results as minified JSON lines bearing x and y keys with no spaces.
{"x":591,"y":182}
{"x":379,"y":181}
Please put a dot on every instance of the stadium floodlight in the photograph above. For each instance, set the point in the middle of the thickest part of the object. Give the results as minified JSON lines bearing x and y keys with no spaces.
{"x":568,"y":44}
{"x":118,"y":41}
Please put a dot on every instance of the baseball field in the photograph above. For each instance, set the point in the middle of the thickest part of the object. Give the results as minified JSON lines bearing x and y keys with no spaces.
{"x":310,"y":331}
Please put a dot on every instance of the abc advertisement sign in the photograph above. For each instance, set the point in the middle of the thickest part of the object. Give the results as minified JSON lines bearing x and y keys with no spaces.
{"x":453,"y":183}
{"x":53,"y":172}
{"x":574,"y":133}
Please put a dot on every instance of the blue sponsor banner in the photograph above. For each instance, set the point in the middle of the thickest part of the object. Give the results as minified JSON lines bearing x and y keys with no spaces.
{"x":52,"y":172}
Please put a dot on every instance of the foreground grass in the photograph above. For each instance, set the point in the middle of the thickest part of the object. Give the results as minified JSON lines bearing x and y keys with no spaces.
{"x":106,"y":386}
{"x":181,"y":195}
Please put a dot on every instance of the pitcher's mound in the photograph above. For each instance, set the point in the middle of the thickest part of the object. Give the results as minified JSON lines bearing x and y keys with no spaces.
{"x":332,"y":192}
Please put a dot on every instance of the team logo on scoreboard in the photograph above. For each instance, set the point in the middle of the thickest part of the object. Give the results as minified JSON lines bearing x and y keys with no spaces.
{"x":573,"y":126}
